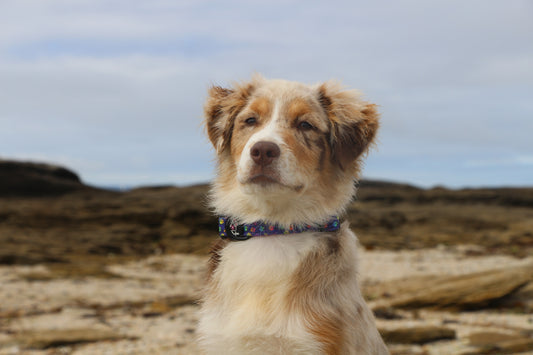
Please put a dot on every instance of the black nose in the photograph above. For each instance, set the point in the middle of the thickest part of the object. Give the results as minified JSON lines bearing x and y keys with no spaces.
{"x":264,"y":153}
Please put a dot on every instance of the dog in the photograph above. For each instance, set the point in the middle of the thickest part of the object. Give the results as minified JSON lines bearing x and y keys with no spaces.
{"x":283,"y":277}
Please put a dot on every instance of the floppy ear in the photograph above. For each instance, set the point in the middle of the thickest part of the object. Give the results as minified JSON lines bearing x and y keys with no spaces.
{"x":221,"y":108}
{"x":353,"y":122}
{"x":215,"y":121}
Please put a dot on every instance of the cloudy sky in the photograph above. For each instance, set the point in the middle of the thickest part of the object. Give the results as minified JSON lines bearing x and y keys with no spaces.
{"x":114,"y":89}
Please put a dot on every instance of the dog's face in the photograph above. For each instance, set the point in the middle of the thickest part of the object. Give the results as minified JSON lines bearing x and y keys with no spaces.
{"x":288,"y":152}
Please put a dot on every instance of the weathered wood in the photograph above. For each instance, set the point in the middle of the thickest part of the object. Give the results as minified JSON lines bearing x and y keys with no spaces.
{"x":417,"y":335}
{"x":44,"y":339}
{"x":471,"y":291}
{"x":499,"y":343}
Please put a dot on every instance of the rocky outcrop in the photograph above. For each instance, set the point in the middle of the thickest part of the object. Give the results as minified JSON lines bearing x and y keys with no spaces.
{"x":27,"y":179}
{"x":48,"y":215}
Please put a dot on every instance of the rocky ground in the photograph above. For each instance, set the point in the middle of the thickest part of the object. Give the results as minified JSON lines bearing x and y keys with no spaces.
{"x":148,"y":306}
{"x":88,"y":271}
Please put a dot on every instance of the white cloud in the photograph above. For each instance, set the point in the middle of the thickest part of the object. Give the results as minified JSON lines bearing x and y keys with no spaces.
{"x":99,"y":80}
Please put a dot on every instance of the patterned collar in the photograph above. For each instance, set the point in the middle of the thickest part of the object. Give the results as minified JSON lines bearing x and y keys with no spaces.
{"x":228,"y":230}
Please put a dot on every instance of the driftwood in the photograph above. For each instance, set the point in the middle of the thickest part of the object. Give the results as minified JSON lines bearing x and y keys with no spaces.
{"x":499,"y":343}
{"x":44,"y":339}
{"x":470,"y":291}
{"x":417,"y":335}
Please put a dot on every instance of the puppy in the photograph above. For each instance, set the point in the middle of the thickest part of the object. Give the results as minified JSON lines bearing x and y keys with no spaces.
{"x":283,"y":277}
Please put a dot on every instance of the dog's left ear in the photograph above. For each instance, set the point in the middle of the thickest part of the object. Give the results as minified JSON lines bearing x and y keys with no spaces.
{"x":221,"y":108}
{"x":354,"y":122}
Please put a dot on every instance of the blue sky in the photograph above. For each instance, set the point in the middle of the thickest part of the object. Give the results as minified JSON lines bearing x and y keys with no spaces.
{"x":114,"y":89}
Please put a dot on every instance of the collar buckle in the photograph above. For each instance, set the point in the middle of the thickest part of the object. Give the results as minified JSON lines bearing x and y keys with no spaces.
{"x":235,"y":232}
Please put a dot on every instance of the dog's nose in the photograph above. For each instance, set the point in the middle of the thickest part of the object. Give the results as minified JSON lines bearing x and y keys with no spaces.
{"x":264,"y":153}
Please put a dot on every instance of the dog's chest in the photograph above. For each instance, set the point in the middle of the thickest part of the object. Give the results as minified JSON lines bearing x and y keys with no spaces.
{"x":254,"y":279}
{"x":263,"y":260}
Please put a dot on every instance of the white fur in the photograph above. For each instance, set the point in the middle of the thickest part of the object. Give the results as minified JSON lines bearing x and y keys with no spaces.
{"x":252,"y":275}
{"x":250,"y":315}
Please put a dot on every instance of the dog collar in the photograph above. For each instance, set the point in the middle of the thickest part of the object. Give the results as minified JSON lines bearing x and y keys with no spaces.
{"x":229,"y":230}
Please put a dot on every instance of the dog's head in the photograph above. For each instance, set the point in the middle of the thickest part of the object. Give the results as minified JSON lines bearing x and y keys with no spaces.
{"x":288,"y":153}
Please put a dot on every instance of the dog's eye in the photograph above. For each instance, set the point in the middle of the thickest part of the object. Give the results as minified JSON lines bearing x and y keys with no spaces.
{"x":305,"y":126}
{"x":250,"y":121}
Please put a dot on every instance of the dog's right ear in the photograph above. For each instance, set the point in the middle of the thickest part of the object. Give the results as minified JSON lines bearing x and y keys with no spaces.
{"x":221,"y":108}
{"x":215,"y":122}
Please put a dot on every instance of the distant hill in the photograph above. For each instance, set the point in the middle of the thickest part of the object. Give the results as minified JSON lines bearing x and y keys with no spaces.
{"x":73,"y":223}
{"x":32,"y":179}
{"x":25,"y":179}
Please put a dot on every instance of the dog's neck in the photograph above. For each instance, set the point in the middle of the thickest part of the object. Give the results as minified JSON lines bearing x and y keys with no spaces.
{"x":228,"y":229}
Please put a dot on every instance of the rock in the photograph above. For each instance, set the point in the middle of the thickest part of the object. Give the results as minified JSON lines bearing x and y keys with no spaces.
{"x":387,"y":313}
{"x":499,"y":343}
{"x":471,"y":291}
{"x":407,"y":350}
{"x":27,"y":179}
{"x":417,"y":335}
{"x":521,"y":300}
{"x":43,"y":339}
{"x":26,"y":259}
{"x":489,"y":338}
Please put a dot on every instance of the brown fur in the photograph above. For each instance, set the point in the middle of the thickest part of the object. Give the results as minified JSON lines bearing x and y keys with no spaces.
{"x":353,"y":127}
{"x":305,"y":153}
{"x":310,"y":290}
{"x":261,"y":106}
{"x":297,"y":108}
{"x":221,"y":108}
{"x":327,"y":331}
{"x":214,"y":258}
